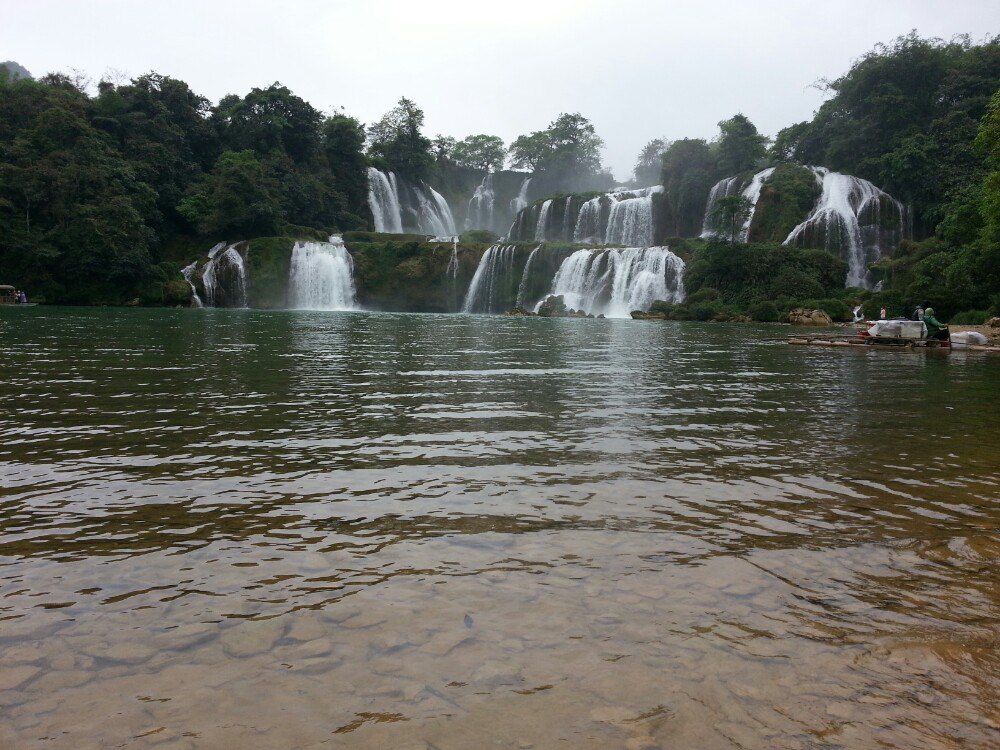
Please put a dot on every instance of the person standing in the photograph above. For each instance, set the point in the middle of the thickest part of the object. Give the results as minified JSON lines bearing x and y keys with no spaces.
{"x":918,"y":314}
{"x":882,"y":313}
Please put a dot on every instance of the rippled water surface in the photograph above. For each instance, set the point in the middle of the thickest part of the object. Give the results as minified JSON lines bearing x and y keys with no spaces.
{"x":244,"y":529}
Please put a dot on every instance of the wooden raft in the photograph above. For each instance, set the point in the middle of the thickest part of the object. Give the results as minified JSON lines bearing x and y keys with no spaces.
{"x":868,"y":342}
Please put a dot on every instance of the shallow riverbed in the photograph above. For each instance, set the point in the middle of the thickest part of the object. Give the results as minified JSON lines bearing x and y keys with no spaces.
{"x":292,"y":530}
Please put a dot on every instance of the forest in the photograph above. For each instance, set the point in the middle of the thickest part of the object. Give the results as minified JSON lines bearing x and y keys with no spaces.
{"x":105,"y":194}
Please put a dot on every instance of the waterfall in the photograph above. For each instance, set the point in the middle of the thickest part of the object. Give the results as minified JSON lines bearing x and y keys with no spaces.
{"x":630,"y":221}
{"x":726,"y":188}
{"x":435,"y":215}
{"x":588,"y":222}
{"x":321,"y":276}
{"x":521,"y":201}
{"x":225,"y":277}
{"x":847,"y":220}
{"x":383,"y":199}
{"x":616,"y":281}
{"x":390,"y":199}
{"x":492,"y":280}
{"x":543,"y":220}
{"x":452,"y":270}
{"x":621,"y":217}
{"x":187,"y":272}
{"x":522,"y":288}
{"x":480,"y":213}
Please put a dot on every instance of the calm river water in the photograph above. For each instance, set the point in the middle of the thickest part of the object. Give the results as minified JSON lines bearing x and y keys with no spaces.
{"x":237,"y":529}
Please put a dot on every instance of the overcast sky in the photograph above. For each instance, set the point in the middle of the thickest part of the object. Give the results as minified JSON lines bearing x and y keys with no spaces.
{"x":637,"y":68}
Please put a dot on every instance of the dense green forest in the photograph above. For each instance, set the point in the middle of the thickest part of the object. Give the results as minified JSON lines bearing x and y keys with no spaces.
{"x":105,"y":195}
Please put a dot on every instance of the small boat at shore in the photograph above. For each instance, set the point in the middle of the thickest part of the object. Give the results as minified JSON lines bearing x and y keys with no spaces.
{"x":897,"y":335}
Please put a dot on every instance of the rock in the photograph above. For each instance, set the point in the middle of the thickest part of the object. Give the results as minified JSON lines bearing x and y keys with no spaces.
{"x":643,"y":315}
{"x":553,"y":306}
{"x":520,"y":312}
{"x":993,"y":322}
{"x":802,"y":317}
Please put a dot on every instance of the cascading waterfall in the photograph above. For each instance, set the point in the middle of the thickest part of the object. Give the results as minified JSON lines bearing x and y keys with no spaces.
{"x":725,"y":188}
{"x":225,"y":262}
{"x":543,"y":220}
{"x":188,"y":272}
{"x":519,"y":203}
{"x":621,"y":217}
{"x":397,"y":207}
{"x":630,"y":221}
{"x":383,"y":199}
{"x":588,"y":222}
{"x":616,"y":281}
{"x":481,"y":206}
{"x":847,"y":220}
{"x":321,"y":276}
{"x":752,"y":194}
{"x":494,"y":276}
{"x":522,"y":288}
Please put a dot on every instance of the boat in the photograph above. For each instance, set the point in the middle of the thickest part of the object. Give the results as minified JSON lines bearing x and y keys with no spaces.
{"x":900,"y":334}
{"x":8,"y":296}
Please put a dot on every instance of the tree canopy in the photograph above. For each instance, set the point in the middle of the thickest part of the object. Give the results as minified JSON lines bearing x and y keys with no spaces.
{"x":484,"y":152}
{"x":568,"y":150}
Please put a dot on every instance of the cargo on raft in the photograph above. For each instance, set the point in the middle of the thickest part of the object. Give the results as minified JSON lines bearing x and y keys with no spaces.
{"x":898,"y":335}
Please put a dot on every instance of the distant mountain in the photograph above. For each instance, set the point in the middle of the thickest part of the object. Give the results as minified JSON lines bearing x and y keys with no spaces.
{"x":15,"y":70}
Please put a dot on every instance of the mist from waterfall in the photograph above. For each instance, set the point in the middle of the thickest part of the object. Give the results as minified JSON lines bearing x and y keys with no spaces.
{"x":321,"y":276}
{"x":615,"y":281}
{"x":848,"y":220}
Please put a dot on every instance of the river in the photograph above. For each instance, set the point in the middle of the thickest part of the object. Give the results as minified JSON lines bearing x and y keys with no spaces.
{"x":225,"y":528}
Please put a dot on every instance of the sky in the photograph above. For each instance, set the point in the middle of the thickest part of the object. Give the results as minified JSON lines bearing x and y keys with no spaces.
{"x":637,"y":69}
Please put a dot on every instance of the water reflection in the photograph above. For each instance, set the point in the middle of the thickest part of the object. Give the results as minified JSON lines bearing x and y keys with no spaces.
{"x":286,"y":529}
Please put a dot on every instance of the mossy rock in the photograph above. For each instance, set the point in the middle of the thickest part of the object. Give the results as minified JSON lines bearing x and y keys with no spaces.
{"x":268,"y":262}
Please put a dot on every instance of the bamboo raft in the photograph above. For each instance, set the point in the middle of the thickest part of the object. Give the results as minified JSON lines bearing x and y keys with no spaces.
{"x":885,"y":343}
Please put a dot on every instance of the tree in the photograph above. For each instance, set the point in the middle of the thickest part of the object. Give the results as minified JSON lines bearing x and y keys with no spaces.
{"x":732,"y":212}
{"x":740,"y":147}
{"x":485,"y":152}
{"x":397,"y":139}
{"x":568,"y":151}
{"x":441,"y":147}
{"x":649,"y":163}
{"x":788,"y":142}
{"x":238,"y":199}
{"x":687,"y":177}
{"x":270,"y":120}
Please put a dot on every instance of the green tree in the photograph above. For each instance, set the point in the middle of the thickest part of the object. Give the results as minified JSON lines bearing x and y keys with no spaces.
{"x":237,"y":199}
{"x":397,"y":139}
{"x":649,"y":163}
{"x":567,"y":151}
{"x":343,"y":144}
{"x":687,"y":177}
{"x":740,"y":147}
{"x":731,"y":212}
{"x":485,"y":152}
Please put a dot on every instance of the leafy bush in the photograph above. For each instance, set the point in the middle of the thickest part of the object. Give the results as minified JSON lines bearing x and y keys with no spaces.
{"x":765,"y":312}
{"x":971,"y":317}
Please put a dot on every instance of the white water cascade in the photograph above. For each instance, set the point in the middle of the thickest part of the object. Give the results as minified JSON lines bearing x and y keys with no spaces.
{"x":621,"y":217}
{"x":521,"y":201}
{"x":494,"y":276}
{"x":383,"y":199}
{"x":481,"y":206}
{"x":630,"y":221}
{"x":727,"y":188}
{"x":397,"y":207}
{"x":188,"y":272}
{"x":522,"y":288}
{"x":847,"y":220}
{"x":321,"y":276}
{"x":225,"y":262}
{"x":543,"y":220}
{"x":616,"y":281}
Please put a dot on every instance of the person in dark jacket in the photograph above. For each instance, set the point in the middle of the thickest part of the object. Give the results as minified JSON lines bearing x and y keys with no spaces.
{"x":935,"y":328}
